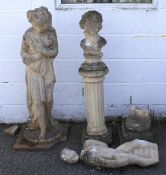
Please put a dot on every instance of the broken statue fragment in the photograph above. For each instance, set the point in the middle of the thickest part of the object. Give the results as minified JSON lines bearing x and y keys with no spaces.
{"x":136,"y":126}
{"x":69,"y":156}
{"x":136,"y":152}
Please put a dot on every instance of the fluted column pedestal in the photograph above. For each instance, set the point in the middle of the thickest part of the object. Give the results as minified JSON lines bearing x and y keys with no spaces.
{"x":93,"y":75}
{"x":95,"y":106}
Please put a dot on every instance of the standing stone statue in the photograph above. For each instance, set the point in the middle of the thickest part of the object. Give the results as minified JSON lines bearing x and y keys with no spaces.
{"x":39,"y":48}
{"x":93,"y":71}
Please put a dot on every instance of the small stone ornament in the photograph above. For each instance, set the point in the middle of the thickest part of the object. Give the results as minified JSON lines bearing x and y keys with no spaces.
{"x":138,"y":120}
{"x":136,"y":126}
{"x":12,"y":130}
{"x":136,"y":152}
{"x":69,"y":156}
{"x":93,"y":71}
{"x":38,"y":51}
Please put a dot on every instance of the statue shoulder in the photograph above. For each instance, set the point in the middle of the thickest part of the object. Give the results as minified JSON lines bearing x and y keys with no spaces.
{"x":52,"y":32}
{"x":28,"y":33}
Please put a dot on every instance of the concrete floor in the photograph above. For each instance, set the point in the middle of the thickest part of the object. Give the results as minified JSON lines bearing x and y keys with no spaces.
{"x":49,"y":162}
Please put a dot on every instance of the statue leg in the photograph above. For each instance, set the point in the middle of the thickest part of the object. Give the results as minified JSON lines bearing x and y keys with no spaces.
{"x":49,"y":103}
{"x":42,"y":125}
{"x":39,"y":116}
{"x":49,"y":118}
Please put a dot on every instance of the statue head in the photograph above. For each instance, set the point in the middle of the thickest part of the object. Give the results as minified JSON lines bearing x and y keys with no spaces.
{"x":91,"y":22}
{"x":40,"y":18}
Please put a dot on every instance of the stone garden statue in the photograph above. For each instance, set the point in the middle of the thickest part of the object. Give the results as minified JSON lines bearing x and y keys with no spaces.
{"x":39,"y":48}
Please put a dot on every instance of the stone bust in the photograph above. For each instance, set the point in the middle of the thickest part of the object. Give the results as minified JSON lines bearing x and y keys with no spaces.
{"x":39,"y":48}
{"x":91,"y":23}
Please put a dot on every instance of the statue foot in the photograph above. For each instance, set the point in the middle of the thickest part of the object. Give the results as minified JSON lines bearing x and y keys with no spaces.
{"x":42,"y":135}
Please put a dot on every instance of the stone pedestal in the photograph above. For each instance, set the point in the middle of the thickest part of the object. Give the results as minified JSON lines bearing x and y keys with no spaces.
{"x":28,"y":140}
{"x":95,"y":105}
{"x":93,"y":74}
{"x":93,"y":71}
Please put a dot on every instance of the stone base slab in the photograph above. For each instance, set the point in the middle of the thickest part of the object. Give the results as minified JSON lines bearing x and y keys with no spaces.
{"x":106,"y":138}
{"x":22,"y":144}
{"x":125,"y":135}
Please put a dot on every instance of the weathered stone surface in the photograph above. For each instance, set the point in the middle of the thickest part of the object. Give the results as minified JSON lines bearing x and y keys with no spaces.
{"x":137,"y":152}
{"x":52,"y":134}
{"x":39,"y":48}
{"x":136,"y":126}
{"x":138,"y":120}
{"x":89,"y":143}
{"x":98,"y":69}
{"x":91,"y":22}
{"x":12,"y":130}
{"x":69,"y":156}
{"x":106,"y":138}
{"x":22,"y":143}
{"x":126,"y":135}
{"x":93,"y":71}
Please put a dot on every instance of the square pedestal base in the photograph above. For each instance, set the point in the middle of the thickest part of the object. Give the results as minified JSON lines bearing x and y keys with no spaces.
{"x":22,"y":144}
{"x":107,"y":138}
{"x":125,"y":135}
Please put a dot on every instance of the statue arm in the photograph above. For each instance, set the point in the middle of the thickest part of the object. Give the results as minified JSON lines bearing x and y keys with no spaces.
{"x":27,"y":57}
{"x":53,"y":51}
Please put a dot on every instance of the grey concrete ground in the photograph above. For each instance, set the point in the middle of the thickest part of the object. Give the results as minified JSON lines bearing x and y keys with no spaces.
{"x":49,"y":162}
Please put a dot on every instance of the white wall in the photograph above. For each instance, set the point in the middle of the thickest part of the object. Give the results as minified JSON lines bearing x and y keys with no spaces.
{"x":135,"y":54}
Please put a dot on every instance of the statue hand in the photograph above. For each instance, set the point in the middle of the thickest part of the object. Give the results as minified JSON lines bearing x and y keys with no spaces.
{"x":37,"y":44}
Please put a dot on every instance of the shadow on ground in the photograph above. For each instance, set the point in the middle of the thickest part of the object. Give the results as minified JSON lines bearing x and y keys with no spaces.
{"x":49,"y":162}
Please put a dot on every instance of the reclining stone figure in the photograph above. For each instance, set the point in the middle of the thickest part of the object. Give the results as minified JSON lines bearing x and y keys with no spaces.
{"x":138,"y":152}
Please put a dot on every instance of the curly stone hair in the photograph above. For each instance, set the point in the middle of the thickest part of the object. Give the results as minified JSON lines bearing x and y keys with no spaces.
{"x":91,"y":18}
{"x":39,"y":16}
